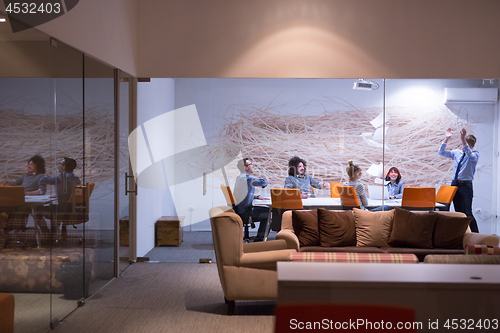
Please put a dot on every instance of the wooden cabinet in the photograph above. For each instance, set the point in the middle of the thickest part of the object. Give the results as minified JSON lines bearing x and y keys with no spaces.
{"x":168,"y":230}
{"x":124,"y":231}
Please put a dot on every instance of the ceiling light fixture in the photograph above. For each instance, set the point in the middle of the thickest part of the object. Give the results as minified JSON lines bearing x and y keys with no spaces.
{"x":363,"y":84}
{"x":2,"y":19}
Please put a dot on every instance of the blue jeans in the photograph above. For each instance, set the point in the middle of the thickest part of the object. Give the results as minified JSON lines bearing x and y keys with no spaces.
{"x":380,"y":208}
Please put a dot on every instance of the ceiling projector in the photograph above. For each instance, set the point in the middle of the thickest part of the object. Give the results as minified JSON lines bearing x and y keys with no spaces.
{"x":365,"y":85}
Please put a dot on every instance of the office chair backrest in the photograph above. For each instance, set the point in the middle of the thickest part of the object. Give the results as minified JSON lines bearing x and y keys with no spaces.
{"x":228,"y":195}
{"x":286,"y":198}
{"x":81,"y":196}
{"x":334,"y":191}
{"x":348,"y":196}
{"x":11,"y":196}
{"x":419,"y":198}
{"x":446,"y":193}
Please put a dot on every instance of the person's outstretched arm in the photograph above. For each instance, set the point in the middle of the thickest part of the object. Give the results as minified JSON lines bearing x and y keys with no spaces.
{"x":442,"y":149}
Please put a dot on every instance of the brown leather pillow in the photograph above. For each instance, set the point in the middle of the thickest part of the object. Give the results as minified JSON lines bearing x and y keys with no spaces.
{"x":336,"y":228}
{"x":412,"y":229}
{"x":372,"y":228}
{"x":305,"y":226}
{"x":449,"y":231}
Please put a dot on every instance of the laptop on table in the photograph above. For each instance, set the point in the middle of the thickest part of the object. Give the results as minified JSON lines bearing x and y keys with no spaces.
{"x":378,"y":192}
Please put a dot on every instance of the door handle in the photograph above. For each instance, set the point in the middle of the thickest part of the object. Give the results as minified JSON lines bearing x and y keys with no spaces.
{"x":127,"y":191}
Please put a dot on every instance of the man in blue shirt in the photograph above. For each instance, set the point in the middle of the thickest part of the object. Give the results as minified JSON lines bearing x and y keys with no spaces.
{"x":64,"y":182}
{"x":244,"y":190}
{"x":464,"y":168}
{"x":297,"y":178}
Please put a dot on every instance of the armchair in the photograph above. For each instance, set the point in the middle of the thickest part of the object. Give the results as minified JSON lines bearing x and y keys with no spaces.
{"x":246,"y":271}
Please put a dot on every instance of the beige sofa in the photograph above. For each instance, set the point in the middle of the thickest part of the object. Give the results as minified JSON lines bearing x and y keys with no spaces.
{"x":289,"y":235}
{"x":246,"y":271}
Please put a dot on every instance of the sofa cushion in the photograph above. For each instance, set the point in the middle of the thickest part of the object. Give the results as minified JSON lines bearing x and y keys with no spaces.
{"x":336,"y":228}
{"x":462,"y":259}
{"x":305,"y":226}
{"x":482,"y":249}
{"x":356,"y":249}
{"x":412,"y":229}
{"x":449,"y":231}
{"x":372,"y":228}
{"x":354,"y":257}
{"x":421,"y":253}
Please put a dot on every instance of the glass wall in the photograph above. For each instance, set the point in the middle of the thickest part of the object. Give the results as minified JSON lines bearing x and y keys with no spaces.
{"x":57,"y":243}
{"x":377,"y":123}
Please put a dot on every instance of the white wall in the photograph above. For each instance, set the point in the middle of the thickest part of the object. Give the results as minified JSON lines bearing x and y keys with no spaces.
{"x":106,"y":30}
{"x":154,"y":99}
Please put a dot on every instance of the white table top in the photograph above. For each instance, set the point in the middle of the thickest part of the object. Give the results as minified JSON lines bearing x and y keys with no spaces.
{"x":38,"y":199}
{"x":393,"y":273}
{"x":335,"y":202}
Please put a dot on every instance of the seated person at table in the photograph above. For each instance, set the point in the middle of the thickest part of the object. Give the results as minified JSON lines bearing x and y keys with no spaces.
{"x":299,"y":179}
{"x":65,"y":182}
{"x":30,"y":180}
{"x":396,"y":185}
{"x":244,"y":189}
{"x":354,"y":172}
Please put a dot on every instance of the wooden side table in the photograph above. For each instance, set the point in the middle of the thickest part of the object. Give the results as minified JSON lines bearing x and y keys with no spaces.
{"x":168,"y":230}
{"x":124,"y":231}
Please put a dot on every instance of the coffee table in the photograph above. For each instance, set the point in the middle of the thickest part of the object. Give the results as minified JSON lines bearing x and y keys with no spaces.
{"x":437,"y":292}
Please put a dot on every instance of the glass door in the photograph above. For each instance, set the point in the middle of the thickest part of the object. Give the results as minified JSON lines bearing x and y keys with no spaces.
{"x":126,"y":184}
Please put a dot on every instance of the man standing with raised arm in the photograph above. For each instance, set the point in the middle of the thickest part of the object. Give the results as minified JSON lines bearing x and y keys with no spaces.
{"x":464,"y":168}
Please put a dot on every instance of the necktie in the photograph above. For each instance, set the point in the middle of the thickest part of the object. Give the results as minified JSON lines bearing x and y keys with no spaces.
{"x":454,"y":182}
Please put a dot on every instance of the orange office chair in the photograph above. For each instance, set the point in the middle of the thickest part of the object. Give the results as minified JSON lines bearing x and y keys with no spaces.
{"x":348,"y":197}
{"x":445,"y":196}
{"x":246,"y":217}
{"x":419,"y":198}
{"x":228,"y":195}
{"x":13,"y":213}
{"x":80,"y":201}
{"x":334,"y":191}
{"x":282,"y":199}
{"x":11,"y":197}
{"x":288,"y":314}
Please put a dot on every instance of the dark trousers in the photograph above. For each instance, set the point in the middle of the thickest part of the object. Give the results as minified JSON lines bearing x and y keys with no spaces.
{"x":463,"y":202}
{"x":260,"y":214}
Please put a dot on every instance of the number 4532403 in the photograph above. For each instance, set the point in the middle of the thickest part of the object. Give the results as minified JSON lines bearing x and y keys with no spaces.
{"x":33,"y":8}
{"x":471,"y":324}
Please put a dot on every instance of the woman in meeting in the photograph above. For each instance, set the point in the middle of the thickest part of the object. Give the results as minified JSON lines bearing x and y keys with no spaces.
{"x":354,"y":172}
{"x":396,"y":185}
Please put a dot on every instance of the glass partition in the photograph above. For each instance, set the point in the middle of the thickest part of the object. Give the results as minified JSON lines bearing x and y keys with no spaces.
{"x":126,"y":183}
{"x":325,"y":122}
{"x":65,"y":171}
{"x":57,"y":241}
{"x":99,"y":159}
{"x":378,"y":124}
